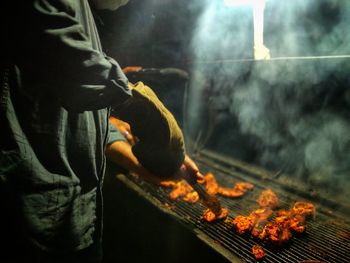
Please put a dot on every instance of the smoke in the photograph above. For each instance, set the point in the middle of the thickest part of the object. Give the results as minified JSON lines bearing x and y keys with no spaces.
{"x":221,"y":32}
{"x":295,"y":28}
{"x":296,"y":111}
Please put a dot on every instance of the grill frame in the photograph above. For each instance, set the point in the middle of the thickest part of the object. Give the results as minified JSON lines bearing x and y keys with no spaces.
{"x":327,"y":237}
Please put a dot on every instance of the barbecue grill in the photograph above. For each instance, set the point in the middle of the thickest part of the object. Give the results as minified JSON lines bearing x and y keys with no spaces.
{"x":253,"y":113}
{"x":327,"y":236}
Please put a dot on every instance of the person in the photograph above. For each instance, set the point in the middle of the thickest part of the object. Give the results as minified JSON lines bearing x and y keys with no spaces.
{"x":121,"y":152}
{"x":57,"y":88}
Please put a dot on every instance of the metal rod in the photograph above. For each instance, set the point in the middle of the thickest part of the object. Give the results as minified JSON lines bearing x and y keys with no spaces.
{"x":271,"y":59}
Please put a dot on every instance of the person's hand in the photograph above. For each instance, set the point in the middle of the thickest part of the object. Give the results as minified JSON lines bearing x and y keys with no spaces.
{"x":190,"y":167}
{"x":124,"y":128}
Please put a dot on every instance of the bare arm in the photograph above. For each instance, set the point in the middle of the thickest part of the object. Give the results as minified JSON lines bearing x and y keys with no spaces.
{"x":120,"y":153}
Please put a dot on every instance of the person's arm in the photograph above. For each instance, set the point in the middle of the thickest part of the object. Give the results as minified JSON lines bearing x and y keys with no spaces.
{"x":57,"y":55}
{"x":121,"y":154}
{"x":119,"y":150}
{"x":190,"y":167}
{"x":124,"y":128}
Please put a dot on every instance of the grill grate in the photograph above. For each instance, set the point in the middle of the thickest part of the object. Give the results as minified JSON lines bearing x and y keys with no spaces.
{"x":327,"y":239}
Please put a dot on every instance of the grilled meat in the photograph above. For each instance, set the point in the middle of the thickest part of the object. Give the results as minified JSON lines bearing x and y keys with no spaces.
{"x":279,"y":230}
{"x":268,"y":199}
{"x":243,"y":224}
{"x":303,"y":208}
{"x":191,"y":197}
{"x":184,"y":190}
{"x":258,"y":252}
{"x":209,"y":216}
{"x":181,"y":189}
{"x":212,"y":187}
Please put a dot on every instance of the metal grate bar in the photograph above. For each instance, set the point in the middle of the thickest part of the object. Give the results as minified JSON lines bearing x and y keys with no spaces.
{"x":324,"y":240}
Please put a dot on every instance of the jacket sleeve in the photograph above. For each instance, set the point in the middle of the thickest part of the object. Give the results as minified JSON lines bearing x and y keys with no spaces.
{"x":57,"y":55}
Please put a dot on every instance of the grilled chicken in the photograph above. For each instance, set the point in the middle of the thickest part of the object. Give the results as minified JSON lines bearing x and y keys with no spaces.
{"x":245,"y":224}
{"x":182,"y":189}
{"x":268,"y":199}
{"x":303,"y":208}
{"x":212,"y":187}
{"x":279,"y":230}
{"x":191,"y":197}
{"x":258,"y":252}
{"x":209,"y":216}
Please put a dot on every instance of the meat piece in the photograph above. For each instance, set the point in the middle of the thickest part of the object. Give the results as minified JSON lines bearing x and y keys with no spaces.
{"x":283,"y":221}
{"x":294,"y":219}
{"x":262,"y":213}
{"x":211,"y":186}
{"x":181,"y":189}
{"x":291,"y":221}
{"x":191,"y":197}
{"x":276,"y":233}
{"x":286,"y":213}
{"x":229,"y":192}
{"x":268,"y":199}
{"x":285,"y":235}
{"x":243,"y":186}
{"x":209,"y":216}
{"x":279,"y":230}
{"x":258,"y":251}
{"x":168,"y":184}
{"x":297,"y":223}
{"x":243,"y":224}
{"x":258,"y":228}
{"x":303,"y":208}
{"x":238,"y":190}
{"x":271,"y":232}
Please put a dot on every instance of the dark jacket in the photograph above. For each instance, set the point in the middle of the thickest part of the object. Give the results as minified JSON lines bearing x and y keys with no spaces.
{"x":54,"y":110}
